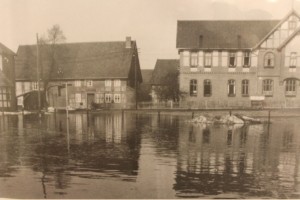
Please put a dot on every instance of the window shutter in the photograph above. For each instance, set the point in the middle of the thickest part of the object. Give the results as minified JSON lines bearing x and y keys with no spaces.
{"x":215,"y":59}
{"x":254,"y":59}
{"x":224,"y":59}
{"x":239,"y":59}
{"x":200,"y":58}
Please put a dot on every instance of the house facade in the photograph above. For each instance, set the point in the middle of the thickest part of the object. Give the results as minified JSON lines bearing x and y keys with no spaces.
{"x":92,"y":75}
{"x":235,"y":63}
{"x":7,"y":79}
{"x":164,"y":79}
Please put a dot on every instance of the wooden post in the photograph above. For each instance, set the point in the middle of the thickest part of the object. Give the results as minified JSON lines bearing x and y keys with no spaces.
{"x":269,"y":116}
{"x":230,"y":112}
{"x":192,"y":115}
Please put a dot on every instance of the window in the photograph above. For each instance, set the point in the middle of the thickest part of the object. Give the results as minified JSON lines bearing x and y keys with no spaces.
{"x":89,"y":83}
{"x":34,"y":85}
{"x":117,"y":83}
{"x":117,"y":98}
{"x":207,"y":88}
{"x":77,"y":83}
{"x":269,"y":60}
{"x":78,"y":98}
{"x":186,"y":58}
{"x":293,"y":60}
{"x":107,"y":83}
{"x":245,"y":87}
{"x":5,"y":97}
{"x":232,"y":59}
{"x":99,"y":98}
{"x":194,"y":59}
{"x":246,"y":59}
{"x":193,"y":87}
{"x":231,"y":88}
{"x":290,"y":87}
{"x":207,"y":59}
{"x":108,"y":98}
{"x":268,"y":87}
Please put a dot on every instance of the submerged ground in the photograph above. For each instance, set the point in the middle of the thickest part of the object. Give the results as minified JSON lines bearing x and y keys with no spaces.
{"x":146,"y":155}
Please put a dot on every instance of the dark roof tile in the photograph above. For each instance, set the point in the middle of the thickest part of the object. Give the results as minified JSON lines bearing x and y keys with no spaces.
{"x":222,"y":34}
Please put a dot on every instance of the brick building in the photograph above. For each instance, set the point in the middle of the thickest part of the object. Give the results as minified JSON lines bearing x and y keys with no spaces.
{"x":231,"y":63}
{"x":98,"y":72}
{"x":7,"y":79}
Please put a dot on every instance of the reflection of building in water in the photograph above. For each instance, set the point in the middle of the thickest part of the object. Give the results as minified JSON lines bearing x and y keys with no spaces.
{"x":217,"y":159}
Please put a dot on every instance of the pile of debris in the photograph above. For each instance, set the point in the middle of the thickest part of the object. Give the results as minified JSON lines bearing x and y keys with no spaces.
{"x":226,"y":119}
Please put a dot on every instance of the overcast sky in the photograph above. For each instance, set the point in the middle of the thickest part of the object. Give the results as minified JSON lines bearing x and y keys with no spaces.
{"x":152,"y":23}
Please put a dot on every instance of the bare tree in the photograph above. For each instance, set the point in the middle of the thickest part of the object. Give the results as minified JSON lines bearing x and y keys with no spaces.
{"x":49,"y":51}
{"x":169,"y":89}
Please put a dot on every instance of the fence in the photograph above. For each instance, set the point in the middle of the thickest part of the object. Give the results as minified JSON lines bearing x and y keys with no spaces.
{"x":220,"y":104}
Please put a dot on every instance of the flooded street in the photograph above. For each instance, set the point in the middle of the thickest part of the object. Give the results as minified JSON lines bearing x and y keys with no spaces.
{"x":108,"y":155}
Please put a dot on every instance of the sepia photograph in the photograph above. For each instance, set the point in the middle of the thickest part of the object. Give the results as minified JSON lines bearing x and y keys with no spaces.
{"x":150,"y":99}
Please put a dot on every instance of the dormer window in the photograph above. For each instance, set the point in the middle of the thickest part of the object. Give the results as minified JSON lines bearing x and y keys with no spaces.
{"x":269,"y":60}
{"x":232,"y":59}
{"x":293,"y":60}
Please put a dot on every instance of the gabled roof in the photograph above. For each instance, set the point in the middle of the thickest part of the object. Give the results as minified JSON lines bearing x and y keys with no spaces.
{"x":4,"y":81}
{"x":292,"y":12}
{"x":147,"y":74}
{"x":5,"y":50}
{"x":91,"y":60}
{"x":222,"y":34}
{"x":163,"y":68}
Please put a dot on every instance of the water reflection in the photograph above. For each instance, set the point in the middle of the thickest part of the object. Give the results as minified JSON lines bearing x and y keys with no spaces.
{"x":248,"y":161}
{"x":146,"y":156}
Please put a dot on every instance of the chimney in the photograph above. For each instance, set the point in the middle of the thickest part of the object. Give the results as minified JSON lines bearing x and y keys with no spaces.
{"x":128,"y":43}
{"x":200,"y":41}
{"x":239,"y":41}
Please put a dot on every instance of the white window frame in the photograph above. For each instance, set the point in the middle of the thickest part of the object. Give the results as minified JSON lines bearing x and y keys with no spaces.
{"x":117,"y":83}
{"x":89,"y":83}
{"x":107,"y":98}
{"x":207,"y":59}
{"x":232,"y":55}
{"x":117,"y":98}
{"x":77,"y":83}
{"x":246,"y":55}
{"x":293,"y":60}
{"x":107,"y":83}
{"x":34,"y":85}
{"x":194,"y":59}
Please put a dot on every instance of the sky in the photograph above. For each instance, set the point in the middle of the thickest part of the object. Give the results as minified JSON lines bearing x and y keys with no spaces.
{"x":152,"y":23}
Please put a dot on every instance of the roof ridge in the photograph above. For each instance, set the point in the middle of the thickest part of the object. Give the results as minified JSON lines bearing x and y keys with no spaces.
{"x":71,"y":43}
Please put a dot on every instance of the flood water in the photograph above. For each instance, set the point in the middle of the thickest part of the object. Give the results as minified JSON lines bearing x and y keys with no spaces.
{"x":108,"y":155}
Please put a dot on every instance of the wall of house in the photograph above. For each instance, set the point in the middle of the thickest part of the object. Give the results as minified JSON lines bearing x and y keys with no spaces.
{"x":8,"y":69}
{"x":104,"y":95}
{"x":219,"y":90}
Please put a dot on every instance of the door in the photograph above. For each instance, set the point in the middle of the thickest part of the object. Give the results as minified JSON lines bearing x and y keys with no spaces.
{"x":90,"y":100}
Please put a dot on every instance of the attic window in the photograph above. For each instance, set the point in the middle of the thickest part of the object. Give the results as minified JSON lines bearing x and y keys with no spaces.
{"x":232,"y":59}
{"x":293,"y":60}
